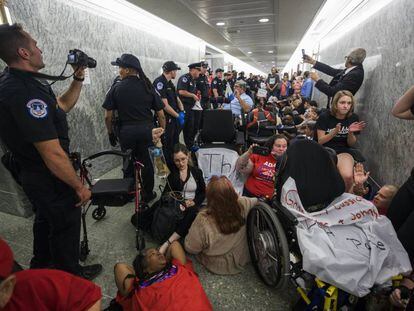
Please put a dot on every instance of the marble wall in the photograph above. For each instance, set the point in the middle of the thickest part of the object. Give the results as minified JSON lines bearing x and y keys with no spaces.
{"x":59,"y":27}
{"x":388,"y":37}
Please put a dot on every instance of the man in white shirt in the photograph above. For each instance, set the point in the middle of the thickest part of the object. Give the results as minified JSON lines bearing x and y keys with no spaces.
{"x":242,"y":103}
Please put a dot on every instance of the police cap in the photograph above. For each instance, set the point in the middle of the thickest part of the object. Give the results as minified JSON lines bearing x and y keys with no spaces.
{"x":195,"y":65}
{"x":170,"y":66}
{"x":219,"y":70}
{"x":204,"y":64}
{"x":127,"y":61}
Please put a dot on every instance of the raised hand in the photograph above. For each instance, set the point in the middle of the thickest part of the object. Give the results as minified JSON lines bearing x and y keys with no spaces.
{"x":360,"y":176}
{"x":357,"y":126}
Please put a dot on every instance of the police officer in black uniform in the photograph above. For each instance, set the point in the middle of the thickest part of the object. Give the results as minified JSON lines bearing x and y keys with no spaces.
{"x":218,"y":88}
{"x":187,"y":91}
{"x":134,"y":98}
{"x":203,"y":88}
{"x":172,"y":106}
{"x":34,"y":128}
{"x":232,"y":79}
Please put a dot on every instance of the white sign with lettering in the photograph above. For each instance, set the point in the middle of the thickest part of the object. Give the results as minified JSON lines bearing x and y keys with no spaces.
{"x":219,"y":162}
{"x":348,"y":244}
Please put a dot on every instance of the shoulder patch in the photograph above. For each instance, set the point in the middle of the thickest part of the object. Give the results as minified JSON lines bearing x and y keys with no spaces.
{"x":184,"y":79}
{"x":160,"y":85}
{"x":215,"y":82}
{"x":37,"y":108}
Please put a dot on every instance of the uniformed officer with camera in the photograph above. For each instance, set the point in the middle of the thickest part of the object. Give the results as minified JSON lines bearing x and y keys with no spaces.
{"x":34,"y":128}
{"x":172,"y":106}
{"x":187,"y":91}
{"x":134,"y":99}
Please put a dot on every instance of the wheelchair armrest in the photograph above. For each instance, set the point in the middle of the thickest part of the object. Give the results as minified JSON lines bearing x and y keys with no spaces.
{"x":108,"y":152}
{"x":285,"y":213}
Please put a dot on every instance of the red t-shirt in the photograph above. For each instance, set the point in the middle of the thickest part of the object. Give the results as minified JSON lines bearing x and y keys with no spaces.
{"x":261,"y":180}
{"x":54,"y":290}
{"x":181,"y":291}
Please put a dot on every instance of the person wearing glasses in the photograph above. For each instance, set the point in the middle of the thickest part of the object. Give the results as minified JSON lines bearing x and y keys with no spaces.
{"x":349,"y":79}
{"x":242,"y":103}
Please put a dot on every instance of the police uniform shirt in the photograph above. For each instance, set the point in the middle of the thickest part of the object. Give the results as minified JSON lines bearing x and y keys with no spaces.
{"x":232,"y":81}
{"x":132,"y":101}
{"x":166,"y":89}
{"x":202,"y":85}
{"x":29,"y":114}
{"x":218,"y":85}
{"x":186,"y":83}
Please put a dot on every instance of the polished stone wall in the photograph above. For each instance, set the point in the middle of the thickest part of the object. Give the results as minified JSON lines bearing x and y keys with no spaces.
{"x":59,"y":27}
{"x":388,"y":37}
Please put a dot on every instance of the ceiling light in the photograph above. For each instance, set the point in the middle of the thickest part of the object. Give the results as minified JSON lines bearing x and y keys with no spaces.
{"x":220,"y":23}
{"x":249,"y":52}
{"x":263,"y":20}
{"x":270,"y":52}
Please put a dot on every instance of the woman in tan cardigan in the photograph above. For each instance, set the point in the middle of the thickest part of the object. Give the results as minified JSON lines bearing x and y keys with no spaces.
{"x":218,"y":234}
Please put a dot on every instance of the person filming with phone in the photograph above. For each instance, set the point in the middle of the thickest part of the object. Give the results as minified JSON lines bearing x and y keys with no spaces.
{"x":349,"y":79}
{"x":259,"y":164}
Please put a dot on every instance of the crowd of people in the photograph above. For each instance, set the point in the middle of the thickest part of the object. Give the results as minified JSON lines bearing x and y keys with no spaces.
{"x":276,"y":112}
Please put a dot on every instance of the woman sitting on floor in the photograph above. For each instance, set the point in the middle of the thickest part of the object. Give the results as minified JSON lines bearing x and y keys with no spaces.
{"x":158,"y":282}
{"x":188,"y":181}
{"x":337,"y":129}
{"x":218,"y":234}
{"x":260,"y":169}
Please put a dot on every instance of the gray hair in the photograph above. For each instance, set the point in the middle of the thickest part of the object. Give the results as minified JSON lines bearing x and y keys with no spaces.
{"x":357,"y":56}
{"x":241,"y":83}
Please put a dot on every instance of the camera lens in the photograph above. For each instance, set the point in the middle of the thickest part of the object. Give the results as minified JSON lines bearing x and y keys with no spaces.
{"x":91,"y":63}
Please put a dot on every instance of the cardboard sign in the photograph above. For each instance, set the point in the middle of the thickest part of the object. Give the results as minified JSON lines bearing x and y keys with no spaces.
{"x":261,"y":93}
{"x":220,"y":162}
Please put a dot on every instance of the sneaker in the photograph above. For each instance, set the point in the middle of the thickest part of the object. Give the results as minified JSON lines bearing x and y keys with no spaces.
{"x":90,"y":272}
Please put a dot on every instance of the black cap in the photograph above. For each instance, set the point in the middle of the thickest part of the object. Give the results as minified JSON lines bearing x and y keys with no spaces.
{"x":219,"y":70}
{"x":195,"y":65}
{"x":127,"y":61}
{"x":170,"y":66}
{"x":204,"y":64}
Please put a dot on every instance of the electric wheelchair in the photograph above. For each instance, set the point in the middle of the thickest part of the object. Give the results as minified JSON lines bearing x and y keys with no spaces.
{"x":271,"y":228}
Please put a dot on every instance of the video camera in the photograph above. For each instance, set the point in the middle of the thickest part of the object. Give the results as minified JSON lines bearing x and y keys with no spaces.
{"x":79,"y":58}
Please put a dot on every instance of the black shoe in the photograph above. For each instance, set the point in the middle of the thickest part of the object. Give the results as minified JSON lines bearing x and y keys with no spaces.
{"x":90,"y":272}
{"x":149,"y":198}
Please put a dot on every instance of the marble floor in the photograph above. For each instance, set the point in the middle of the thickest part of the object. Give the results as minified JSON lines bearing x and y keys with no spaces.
{"x":112,"y":240}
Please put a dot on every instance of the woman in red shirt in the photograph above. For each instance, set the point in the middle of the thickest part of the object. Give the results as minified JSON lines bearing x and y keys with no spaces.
{"x":260,"y":169}
{"x":158,"y":282}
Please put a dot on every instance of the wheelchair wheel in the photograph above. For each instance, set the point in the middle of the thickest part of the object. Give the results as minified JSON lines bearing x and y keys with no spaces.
{"x":99,"y":213}
{"x":268,"y":245}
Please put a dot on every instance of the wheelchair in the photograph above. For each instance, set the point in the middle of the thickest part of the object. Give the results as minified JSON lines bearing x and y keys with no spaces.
{"x":273,"y":242}
{"x":109,"y":192}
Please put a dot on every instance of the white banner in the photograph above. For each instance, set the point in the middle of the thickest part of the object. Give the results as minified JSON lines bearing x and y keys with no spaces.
{"x":261,"y":93}
{"x":348,"y":244}
{"x":219,"y":162}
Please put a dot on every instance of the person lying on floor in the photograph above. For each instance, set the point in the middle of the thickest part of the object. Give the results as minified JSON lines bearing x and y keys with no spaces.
{"x":218,"y":234}
{"x":160,"y":282}
{"x":43,"y":289}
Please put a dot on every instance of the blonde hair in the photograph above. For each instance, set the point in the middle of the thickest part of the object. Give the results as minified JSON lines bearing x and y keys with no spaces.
{"x":334,"y":105}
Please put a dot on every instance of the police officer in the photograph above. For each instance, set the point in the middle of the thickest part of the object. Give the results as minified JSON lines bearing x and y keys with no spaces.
{"x":218,"y":88}
{"x":134,"y":98}
{"x":203,"y":88}
{"x":232,"y":79}
{"x":33,"y":126}
{"x":187,"y":91}
{"x":172,"y":106}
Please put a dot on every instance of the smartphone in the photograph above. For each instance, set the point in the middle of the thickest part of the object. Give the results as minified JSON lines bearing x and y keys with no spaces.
{"x":303,"y":53}
{"x":264,"y":151}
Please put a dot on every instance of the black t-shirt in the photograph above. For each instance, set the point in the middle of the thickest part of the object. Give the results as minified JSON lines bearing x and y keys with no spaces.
{"x":218,"y":85}
{"x":328,"y":122}
{"x":132,"y":101}
{"x":186,"y":83}
{"x":29,"y":114}
{"x":272,"y":80}
{"x":166,"y":89}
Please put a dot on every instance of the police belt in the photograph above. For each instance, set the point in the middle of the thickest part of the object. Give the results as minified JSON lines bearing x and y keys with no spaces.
{"x":135,"y":122}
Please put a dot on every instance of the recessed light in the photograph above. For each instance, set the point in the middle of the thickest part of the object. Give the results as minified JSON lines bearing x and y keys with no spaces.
{"x":220,"y":23}
{"x":249,"y":52}
{"x":270,"y":52}
{"x":263,"y":20}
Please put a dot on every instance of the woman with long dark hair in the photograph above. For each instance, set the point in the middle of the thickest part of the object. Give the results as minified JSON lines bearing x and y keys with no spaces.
{"x":218,"y":235}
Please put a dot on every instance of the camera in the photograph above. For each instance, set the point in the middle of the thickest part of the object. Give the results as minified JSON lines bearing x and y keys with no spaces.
{"x":79,"y":58}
